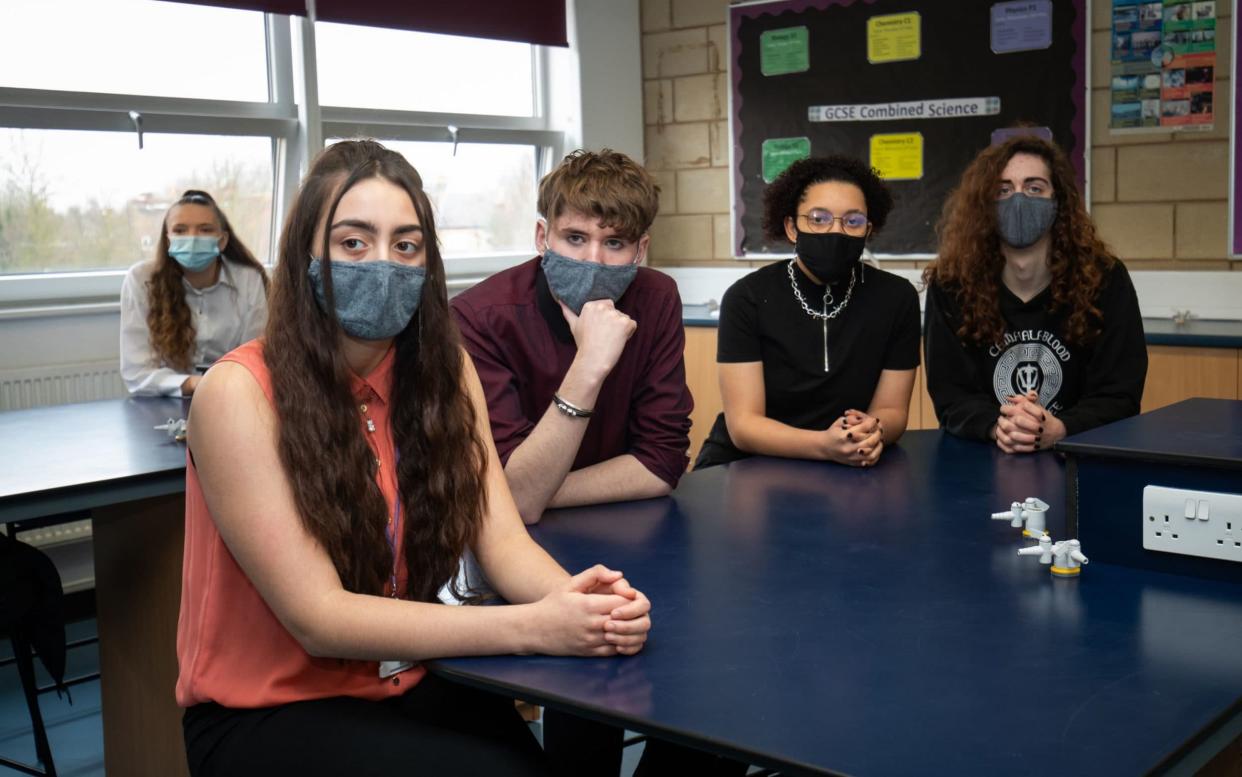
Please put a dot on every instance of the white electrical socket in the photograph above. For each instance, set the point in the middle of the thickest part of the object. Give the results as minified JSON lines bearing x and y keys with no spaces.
{"x":1193,"y":523}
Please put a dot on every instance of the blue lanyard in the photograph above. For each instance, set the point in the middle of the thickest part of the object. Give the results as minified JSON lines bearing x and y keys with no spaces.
{"x":390,"y":531}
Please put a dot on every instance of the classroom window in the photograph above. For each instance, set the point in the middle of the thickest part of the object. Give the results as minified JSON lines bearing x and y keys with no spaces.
{"x":133,"y":47}
{"x":369,"y":67}
{"x":483,"y":197}
{"x":77,"y":200}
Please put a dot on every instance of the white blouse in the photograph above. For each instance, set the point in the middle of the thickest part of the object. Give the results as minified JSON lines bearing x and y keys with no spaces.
{"x":226,"y":314}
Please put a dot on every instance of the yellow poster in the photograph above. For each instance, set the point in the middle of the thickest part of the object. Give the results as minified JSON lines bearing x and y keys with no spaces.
{"x":898,"y":156}
{"x":894,"y":37}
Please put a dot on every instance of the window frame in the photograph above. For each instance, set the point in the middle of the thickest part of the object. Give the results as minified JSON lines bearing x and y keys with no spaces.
{"x":297,"y":126}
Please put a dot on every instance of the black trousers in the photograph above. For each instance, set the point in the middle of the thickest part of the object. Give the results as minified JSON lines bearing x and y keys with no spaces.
{"x":438,"y":729}
{"x":578,"y":747}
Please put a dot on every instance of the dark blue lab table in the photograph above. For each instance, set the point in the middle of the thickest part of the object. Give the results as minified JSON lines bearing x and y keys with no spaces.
{"x":105,"y":457}
{"x":827,"y":620}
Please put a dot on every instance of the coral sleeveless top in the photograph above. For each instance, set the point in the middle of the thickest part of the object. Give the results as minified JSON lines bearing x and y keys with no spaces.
{"x":231,"y":648}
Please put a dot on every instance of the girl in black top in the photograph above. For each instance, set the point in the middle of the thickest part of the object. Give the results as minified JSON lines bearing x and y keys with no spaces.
{"x":817,"y":354}
{"x":1032,"y":329}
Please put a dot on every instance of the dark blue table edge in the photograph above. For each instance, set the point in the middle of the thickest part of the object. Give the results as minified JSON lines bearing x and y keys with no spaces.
{"x":86,"y":496}
{"x":1160,"y":457}
{"x":754,"y":758}
{"x":1200,"y":749}
{"x":1177,"y":339}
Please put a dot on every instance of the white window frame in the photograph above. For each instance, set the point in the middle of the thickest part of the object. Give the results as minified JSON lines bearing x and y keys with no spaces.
{"x":297,"y":125}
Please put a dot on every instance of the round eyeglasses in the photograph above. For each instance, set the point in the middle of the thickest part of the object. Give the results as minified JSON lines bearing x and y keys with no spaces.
{"x":820,"y":221}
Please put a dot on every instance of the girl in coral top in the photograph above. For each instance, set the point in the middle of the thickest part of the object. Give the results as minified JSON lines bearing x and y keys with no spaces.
{"x":339,"y":468}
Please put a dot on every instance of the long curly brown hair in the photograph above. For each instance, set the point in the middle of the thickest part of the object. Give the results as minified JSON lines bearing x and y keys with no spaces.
{"x":970,"y":261}
{"x":168,"y":315}
{"x":442,"y":460}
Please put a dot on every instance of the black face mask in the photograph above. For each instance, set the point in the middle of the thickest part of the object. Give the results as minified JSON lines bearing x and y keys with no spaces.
{"x":830,"y":257}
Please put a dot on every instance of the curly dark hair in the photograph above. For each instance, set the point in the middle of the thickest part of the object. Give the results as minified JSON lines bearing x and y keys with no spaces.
{"x":781,"y":198}
{"x":970,"y":261}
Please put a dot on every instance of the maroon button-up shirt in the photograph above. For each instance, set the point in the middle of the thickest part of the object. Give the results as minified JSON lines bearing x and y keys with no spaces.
{"x":522,"y":347}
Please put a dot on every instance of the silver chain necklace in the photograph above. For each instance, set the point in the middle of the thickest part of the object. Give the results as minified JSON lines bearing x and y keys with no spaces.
{"x":825,"y":315}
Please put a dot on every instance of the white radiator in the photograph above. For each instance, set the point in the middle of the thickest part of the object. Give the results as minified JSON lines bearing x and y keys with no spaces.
{"x":60,"y":384}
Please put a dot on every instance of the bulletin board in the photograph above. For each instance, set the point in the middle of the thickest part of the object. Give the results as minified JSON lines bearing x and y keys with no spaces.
{"x":1235,"y":159}
{"x":915,"y":87}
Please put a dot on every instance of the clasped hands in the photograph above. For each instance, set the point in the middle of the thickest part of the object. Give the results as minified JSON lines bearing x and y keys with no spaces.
{"x":855,"y":439}
{"x":1025,"y":426}
{"x":595,"y":613}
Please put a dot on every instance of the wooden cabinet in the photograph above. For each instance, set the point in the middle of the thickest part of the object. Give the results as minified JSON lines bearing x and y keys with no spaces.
{"x":1174,"y":373}
{"x":701,"y":377}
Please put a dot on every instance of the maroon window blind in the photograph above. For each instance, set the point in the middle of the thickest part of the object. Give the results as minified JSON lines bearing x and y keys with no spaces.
{"x":526,"y":21}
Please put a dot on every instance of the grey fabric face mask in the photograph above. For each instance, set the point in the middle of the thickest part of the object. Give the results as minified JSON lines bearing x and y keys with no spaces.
{"x":576,"y":283}
{"x":1023,"y":220}
{"x":374,"y":300}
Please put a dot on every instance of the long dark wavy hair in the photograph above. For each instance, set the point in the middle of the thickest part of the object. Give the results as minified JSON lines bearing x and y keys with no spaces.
{"x":168,"y":315}
{"x":970,"y":261}
{"x":330,"y":466}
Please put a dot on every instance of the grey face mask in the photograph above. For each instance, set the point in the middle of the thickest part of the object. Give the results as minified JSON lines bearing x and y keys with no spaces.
{"x":576,"y":283}
{"x":1023,"y":220}
{"x":374,"y":300}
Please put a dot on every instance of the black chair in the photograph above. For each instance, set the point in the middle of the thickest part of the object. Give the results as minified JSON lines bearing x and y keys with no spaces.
{"x":31,"y":613}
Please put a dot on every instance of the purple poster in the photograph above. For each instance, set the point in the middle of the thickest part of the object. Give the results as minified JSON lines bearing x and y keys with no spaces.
{"x":1021,"y":25}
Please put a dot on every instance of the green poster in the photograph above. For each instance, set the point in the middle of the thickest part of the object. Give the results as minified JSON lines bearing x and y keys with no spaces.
{"x":780,"y":153}
{"x":784,"y":51}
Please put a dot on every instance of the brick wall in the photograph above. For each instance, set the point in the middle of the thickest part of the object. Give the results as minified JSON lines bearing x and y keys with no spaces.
{"x":1160,"y":200}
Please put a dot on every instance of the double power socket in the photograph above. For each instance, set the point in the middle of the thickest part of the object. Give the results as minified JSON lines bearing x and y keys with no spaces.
{"x":1193,"y":523}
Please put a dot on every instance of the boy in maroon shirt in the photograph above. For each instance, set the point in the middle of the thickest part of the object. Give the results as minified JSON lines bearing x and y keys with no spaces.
{"x":580,"y":351}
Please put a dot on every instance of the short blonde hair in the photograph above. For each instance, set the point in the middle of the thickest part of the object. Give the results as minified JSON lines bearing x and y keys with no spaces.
{"x":605,"y":184}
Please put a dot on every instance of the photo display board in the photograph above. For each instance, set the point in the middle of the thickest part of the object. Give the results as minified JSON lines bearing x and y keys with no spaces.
{"x":914,"y":87}
{"x":1163,"y":65}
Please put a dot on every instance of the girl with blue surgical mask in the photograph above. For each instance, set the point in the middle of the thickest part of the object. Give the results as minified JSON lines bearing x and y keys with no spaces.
{"x":203,"y":295}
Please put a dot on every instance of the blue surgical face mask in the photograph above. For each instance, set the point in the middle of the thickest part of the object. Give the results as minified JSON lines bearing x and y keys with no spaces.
{"x":194,"y":252}
{"x":374,"y":300}
{"x":578,"y":282}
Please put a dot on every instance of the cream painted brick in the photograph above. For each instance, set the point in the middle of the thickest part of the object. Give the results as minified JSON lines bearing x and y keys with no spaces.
{"x":1101,"y":59}
{"x":721,"y":243}
{"x":699,"y":98}
{"x":1201,"y":230}
{"x":1100,"y":136}
{"x":667,"y":181}
{"x":720,"y":141}
{"x":717,"y":49}
{"x":1224,"y":47}
{"x":681,"y":238}
{"x":1220,"y":121}
{"x":1102,"y":15}
{"x":678,"y":146}
{"x":1103,"y":175}
{"x":703,"y":191}
{"x":1136,"y":231}
{"x":676,"y":53}
{"x":656,"y":15}
{"x":658,"y":101}
{"x":695,"y":13}
{"x":1173,"y":171}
